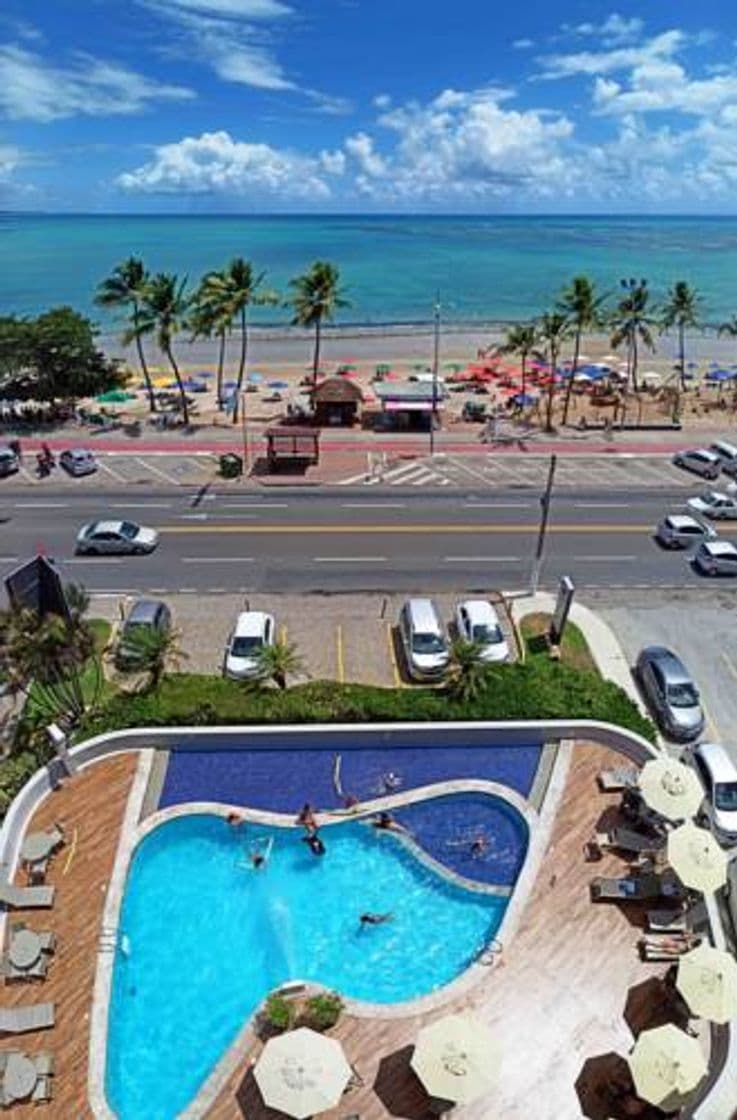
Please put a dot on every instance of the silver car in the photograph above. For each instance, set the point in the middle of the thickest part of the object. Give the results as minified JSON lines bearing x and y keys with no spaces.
{"x":700,"y":461}
{"x":115,"y":537}
{"x":715,"y":504}
{"x":77,"y":461}
{"x":678,"y":530}
{"x":670,"y":692}
{"x":716,"y":558}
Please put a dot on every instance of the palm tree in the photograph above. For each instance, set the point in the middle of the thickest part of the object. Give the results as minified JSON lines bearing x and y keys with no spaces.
{"x":554,"y":329}
{"x":208,"y":318}
{"x":278,"y":661}
{"x":730,"y":329}
{"x":317,"y":296}
{"x":582,"y":305}
{"x":681,"y":311}
{"x":522,"y":339}
{"x":468,"y":675}
{"x":126,"y":288}
{"x":164,"y":310}
{"x":631,"y":323}
{"x":152,"y":651}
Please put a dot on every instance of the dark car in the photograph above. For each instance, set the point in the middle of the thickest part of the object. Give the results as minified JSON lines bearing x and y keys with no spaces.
{"x":146,"y":616}
{"x":670,"y":692}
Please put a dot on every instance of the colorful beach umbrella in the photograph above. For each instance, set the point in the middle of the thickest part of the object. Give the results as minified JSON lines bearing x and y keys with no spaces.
{"x":277,"y":384}
{"x":230,"y":385}
{"x":302,"y":1073}
{"x":255,"y":378}
{"x":383,"y":367}
{"x":457,"y":1059}
{"x":115,"y":396}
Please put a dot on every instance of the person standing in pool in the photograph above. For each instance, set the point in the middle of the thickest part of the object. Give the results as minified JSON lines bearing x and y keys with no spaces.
{"x":307,"y":818}
{"x":314,"y":843}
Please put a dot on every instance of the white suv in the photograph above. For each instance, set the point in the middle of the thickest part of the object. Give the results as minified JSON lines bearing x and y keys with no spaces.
{"x":718,"y":775}
{"x":423,"y":640}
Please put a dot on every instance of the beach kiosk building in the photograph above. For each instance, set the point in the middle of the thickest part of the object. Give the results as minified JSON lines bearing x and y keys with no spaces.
{"x":337,"y":402}
{"x":409,"y":405}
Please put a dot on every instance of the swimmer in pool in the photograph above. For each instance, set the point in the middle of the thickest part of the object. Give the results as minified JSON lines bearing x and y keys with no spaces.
{"x":375,"y":919}
{"x":235,"y":820}
{"x":314,"y":843}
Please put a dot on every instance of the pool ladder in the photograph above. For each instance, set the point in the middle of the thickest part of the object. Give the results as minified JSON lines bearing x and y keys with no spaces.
{"x":109,"y":939}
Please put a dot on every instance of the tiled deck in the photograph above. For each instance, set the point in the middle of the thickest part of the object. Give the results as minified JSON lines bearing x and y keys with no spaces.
{"x":90,"y":807}
{"x":556,"y":998}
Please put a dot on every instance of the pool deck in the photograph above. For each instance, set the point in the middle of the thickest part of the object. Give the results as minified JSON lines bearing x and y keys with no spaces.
{"x":90,"y":807}
{"x":556,"y":997}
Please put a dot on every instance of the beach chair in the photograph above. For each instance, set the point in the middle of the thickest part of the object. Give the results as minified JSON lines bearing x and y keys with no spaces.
{"x":27,"y":1017}
{"x":628,"y":840}
{"x":48,"y":941}
{"x":26,"y":898}
{"x":43,"y":1090}
{"x":616,"y":780}
{"x":667,"y":921}
{"x":666,"y":946}
{"x":634,"y":888}
{"x":36,"y":871}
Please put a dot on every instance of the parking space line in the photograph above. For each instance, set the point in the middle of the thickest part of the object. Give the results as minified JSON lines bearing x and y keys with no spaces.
{"x":155,"y":470}
{"x":398,"y":682}
{"x":284,"y":634}
{"x":730,"y":664}
{"x":339,"y":653}
{"x":118,"y":477}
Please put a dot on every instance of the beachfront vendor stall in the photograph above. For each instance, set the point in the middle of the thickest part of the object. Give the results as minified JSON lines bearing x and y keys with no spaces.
{"x":336,"y":402}
{"x":409,"y":404}
{"x":290,"y":447}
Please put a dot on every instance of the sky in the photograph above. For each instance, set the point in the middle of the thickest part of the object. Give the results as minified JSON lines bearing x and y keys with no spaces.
{"x":387,"y":106}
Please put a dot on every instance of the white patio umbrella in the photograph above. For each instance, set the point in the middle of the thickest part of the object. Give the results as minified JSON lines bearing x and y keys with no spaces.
{"x":696,"y":858}
{"x":666,"y":1066}
{"x":707,"y":980}
{"x":302,"y":1072}
{"x":670,"y":788}
{"x":456,"y":1058}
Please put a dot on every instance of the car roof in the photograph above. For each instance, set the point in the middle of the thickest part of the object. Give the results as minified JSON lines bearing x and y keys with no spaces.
{"x":724,"y":446}
{"x":76,"y":452}
{"x":702,"y":451}
{"x":144,"y":610}
{"x":423,"y":614}
{"x":723,"y":548}
{"x":480,"y":610}
{"x":104,"y":526}
{"x":715,"y":756}
{"x":681,"y":520}
{"x":250,"y":624}
{"x":670,"y":663}
{"x":5,"y":450}
{"x":716,"y":495}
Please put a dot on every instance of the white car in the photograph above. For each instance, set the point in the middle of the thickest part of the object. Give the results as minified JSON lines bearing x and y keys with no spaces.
{"x":715,"y":504}
{"x":477,"y":621}
{"x":700,"y":461}
{"x":253,"y":630}
{"x":122,"y":537}
{"x":678,"y":530}
{"x":716,"y":558}
{"x":718,"y":775}
{"x":78,"y":462}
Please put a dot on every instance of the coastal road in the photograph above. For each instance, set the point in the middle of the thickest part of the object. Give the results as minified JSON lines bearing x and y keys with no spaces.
{"x":340,"y":540}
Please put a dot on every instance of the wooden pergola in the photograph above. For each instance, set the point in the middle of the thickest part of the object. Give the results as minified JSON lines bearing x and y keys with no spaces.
{"x":292,"y":446}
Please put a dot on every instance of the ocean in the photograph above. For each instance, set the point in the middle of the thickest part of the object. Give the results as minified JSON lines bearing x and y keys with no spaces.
{"x":486,"y":269}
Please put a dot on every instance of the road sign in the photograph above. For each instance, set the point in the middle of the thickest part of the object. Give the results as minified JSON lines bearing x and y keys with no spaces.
{"x":566,"y":590}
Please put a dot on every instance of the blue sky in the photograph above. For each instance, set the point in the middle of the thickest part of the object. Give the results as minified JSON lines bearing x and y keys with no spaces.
{"x":368,"y":105}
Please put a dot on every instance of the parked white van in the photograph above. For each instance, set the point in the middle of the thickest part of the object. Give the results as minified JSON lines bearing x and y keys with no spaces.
{"x":718,"y":775}
{"x":423,"y":640}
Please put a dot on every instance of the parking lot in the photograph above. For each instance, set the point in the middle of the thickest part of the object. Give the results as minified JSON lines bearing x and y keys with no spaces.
{"x":117,"y":469}
{"x":340,"y":637}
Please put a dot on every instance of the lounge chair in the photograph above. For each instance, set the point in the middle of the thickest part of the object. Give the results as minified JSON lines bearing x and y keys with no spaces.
{"x":26,"y":898}
{"x":666,"y":947}
{"x":667,"y":921}
{"x":614,"y":781}
{"x":628,"y":840}
{"x":36,"y":871}
{"x":44,"y":1063}
{"x":43,"y":1089}
{"x":27,"y":1017}
{"x":633,"y":889}
{"x":48,"y":941}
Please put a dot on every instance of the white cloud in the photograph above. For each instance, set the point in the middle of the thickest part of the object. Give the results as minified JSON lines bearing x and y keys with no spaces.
{"x":615,"y":29}
{"x":215,"y":163}
{"x":361,"y":148}
{"x":240,"y":9}
{"x":333,"y":162}
{"x":10,"y":159}
{"x":33,"y":89}
{"x":523,"y":44}
{"x":665,"y":45}
{"x":664,"y":86}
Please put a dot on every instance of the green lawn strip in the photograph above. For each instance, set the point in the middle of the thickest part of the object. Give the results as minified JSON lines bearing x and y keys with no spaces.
{"x":89,"y":679}
{"x":574,"y":650}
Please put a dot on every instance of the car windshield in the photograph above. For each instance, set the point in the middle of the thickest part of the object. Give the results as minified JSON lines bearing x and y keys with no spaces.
{"x":246,"y":645}
{"x":427,"y":643}
{"x":129,"y":529}
{"x":725,"y":796}
{"x":682,"y":695}
{"x":481,"y":632}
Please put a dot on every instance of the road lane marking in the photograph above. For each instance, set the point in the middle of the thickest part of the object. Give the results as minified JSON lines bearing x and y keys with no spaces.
{"x":156,"y":470}
{"x":339,"y":653}
{"x":482,"y":559}
{"x":349,"y":559}
{"x":346,"y":530}
{"x":41,"y":505}
{"x":602,"y":505}
{"x":140,"y":505}
{"x":93,"y":560}
{"x":498,"y":505}
{"x":608,"y":558}
{"x":730,"y":664}
{"x":217,"y":560}
{"x":373,"y":505}
{"x":248,"y":505}
{"x":8,"y":559}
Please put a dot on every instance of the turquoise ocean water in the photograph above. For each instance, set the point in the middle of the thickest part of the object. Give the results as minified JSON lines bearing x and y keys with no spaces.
{"x":486,"y":268}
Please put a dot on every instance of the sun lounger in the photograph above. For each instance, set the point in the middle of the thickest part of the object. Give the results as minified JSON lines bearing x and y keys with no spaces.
{"x":48,"y":941}
{"x":43,"y":1089}
{"x":614,"y":781}
{"x":668,"y":947}
{"x":632,"y":889}
{"x":26,"y":898}
{"x":27,"y":1017}
{"x":667,"y":921}
{"x":628,"y":840}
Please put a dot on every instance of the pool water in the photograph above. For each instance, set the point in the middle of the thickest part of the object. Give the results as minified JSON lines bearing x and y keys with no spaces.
{"x":204,"y":937}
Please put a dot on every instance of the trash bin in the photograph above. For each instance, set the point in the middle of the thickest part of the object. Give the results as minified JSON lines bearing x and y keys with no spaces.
{"x":231,"y":466}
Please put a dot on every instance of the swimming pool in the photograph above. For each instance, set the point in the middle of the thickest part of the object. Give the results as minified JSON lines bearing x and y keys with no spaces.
{"x":204,"y":937}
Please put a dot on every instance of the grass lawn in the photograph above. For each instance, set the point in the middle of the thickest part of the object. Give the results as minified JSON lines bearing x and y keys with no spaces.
{"x":91,"y":678}
{"x":574,"y":650}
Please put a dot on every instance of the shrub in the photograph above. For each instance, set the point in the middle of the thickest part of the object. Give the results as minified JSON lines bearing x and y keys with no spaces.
{"x":279,"y":1012}
{"x":322,"y":1011}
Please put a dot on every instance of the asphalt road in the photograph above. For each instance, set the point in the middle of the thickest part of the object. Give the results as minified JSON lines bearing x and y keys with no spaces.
{"x":337,"y":540}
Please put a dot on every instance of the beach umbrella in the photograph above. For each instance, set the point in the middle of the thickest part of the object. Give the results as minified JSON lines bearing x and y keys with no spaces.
{"x":230,"y":385}
{"x":114,"y":396}
{"x":203,"y":373}
{"x":383,"y":367}
{"x":670,"y":788}
{"x":255,"y":378}
{"x":692,"y":365}
{"x":277,"y":384}
{"x":457,"y":1059}
{"x":666,"y":1066}
{"x":707,"y":980}
{"x":347,"y":367}
{"x":420,"y":366}
{"x":697,"y":859}
{"x":718,"y":375}
{"x":302,"y":1072}
{"x":523,"y":399}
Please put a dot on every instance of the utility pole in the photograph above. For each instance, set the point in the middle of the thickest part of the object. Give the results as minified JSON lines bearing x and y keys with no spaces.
{"x":544,"y":515}
{"x":435,"y":361}
{"x":244,"y":431}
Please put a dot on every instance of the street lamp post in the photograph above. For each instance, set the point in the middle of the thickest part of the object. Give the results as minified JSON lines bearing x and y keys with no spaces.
{"x":542,"y":532}
{"x":244,"y":431}
{"x":435,"y":361}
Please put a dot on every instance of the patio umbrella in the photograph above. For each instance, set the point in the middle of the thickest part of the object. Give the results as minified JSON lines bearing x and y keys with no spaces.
{"x":346,"y":367}
{"x":666,"y":1066}
{"x":456,"y":1058}
{"x":230,"y":385}
{"x":383,"y":367}
{"x":420,"y":366}
{"x":670,"y":788}
{"x":255,"y":378}
{"x":203,"y":373}
{"x":523,"y":399}
{"x":707,"y":980}
{"x":115,"y":396}
{"x":720,"y":375}
{"x":302,"y":1072}
{"x":697,"y":859}
{"x":277,"y":384}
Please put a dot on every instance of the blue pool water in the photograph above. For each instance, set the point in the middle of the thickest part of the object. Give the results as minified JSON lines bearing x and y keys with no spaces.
{"x":206,"y":937}
{"x":283,"y":779}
